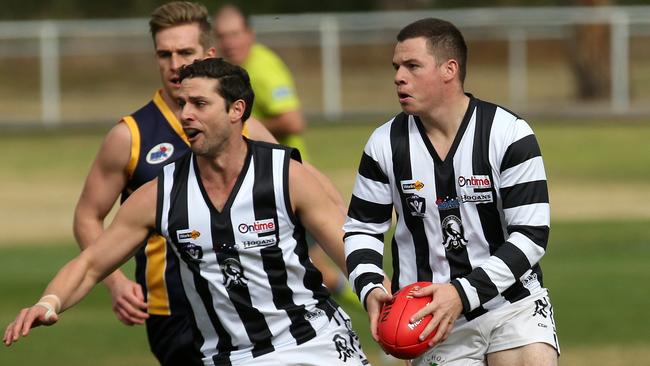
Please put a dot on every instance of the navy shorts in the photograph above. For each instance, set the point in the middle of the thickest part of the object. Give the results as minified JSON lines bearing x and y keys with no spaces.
{"x":172,"y":340}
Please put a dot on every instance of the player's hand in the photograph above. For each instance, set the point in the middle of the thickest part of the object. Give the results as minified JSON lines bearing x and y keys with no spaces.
{"x":128,"y":301}
{"x":445,"y":307}
{"x":374,"y":301}
{"x":27,"y":319}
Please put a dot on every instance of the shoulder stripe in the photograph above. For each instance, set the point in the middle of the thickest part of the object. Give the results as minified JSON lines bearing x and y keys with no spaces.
{"x":524,"y":194}
{"x":370,"y":169}
{"x":169,"y":116}
{"x":519,"y":151}
{"x":135,"y":144}
{"x":369,"y":212}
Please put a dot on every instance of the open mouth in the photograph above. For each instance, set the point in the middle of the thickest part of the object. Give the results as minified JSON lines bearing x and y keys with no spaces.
{"x":176,"y":81}
{"x":191,"y":132}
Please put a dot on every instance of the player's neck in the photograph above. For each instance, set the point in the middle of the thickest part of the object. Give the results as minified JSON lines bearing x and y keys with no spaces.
{"x":219,"y":173}
{"x":170,"y":101}
{"x":443,"y":122}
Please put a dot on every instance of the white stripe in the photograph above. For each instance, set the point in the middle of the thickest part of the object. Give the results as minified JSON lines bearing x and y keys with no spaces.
{"x":499,"y":273}
{"x":536,"y":214}
{"x":168,"y":180}
{"x":372,"y":191}
{"x":363,"y":269}
{"x":532,"y":251}
{"x":470,"y":292}
{"x":354,"y":225}
{"x":530,"y":170}
{"x":357,"y":242}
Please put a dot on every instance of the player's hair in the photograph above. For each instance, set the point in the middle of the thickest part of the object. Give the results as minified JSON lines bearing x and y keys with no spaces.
{"x":233,"y":81}
{"x":444,"y":41}
{"x":179,"y":13}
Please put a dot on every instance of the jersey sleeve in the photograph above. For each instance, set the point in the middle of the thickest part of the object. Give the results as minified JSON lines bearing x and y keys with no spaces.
{"x":369,"y":217}
{"x":524,"y":196}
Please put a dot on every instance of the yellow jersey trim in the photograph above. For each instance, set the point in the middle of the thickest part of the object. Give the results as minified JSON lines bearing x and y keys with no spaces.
{"x":169,"y":116}
{"x":157,"y":296}
{"x":135,"y":144}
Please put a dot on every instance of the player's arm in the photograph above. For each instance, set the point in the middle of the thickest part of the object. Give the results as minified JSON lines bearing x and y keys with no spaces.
{"x":321,"y":217}
{"x":286,"y":123}
{"x":105,"y":181}
{"x":132,"y":224}
{"x":257,"y":131}
{"x":369,"y":218}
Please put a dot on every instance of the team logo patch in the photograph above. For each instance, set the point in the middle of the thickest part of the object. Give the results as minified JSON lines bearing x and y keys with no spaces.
{"x":160,"y":153}
{"x":411,"y":186}
{"x":481,"y":197}
{"x":417,"y":205}
{"x":282,"y":92}
{"x":194,"y":251}
{"x":233,"y":274}
{"x":257,"y":227}
{"x":453,"y":233}
{"x":342,"y":347}
{"x":475,"y":181}
{"x":447,"y":203}
{"x":187,"y":235}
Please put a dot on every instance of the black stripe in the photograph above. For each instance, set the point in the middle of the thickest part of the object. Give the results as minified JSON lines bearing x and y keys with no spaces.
{"x":520,"y":151}
{"x":265,"y":208}
{"x":348,"y":234}
{"x":484,"y":286}
{"x":475,"y":313}
{"x":365,"y":256}
{"x":365,"y":279}
{"x":369,"y":168}
{"x":223,"y":242}
{"x":450,"y":219}
{"x":524,"y":194}
{"x":395,"y":285}
{"x":369,"y":212}
{"x":514,"y":258}
{"x":401,"y":159}
{"x":537,"y":234}
{"x":178,"y":220}
{"x":488,"y":212}
{"x":515,"y":292}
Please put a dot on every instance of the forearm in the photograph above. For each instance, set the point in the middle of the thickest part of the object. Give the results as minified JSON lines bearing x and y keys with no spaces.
{"x":73,"y":282}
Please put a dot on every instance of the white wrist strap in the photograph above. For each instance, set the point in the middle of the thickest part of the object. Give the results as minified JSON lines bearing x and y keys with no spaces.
{"x":50,"y":309}
{"x":46,"y":302}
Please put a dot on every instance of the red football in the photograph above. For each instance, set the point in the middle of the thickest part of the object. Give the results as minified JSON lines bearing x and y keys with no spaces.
{"x":397,"y":336}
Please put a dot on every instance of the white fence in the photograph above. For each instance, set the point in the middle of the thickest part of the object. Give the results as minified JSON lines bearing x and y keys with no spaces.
{"x":330,"y":33}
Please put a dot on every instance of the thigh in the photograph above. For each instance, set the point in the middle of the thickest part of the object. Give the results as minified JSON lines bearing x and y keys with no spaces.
{"x":535,"y":354}
{"x":465,"y":346}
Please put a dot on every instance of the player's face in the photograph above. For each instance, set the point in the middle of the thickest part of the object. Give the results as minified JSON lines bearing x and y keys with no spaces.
{"x":418,"y":78}
{"x":175,"y":47}
{"x":234,"y":39}
{"x":205,"y":120}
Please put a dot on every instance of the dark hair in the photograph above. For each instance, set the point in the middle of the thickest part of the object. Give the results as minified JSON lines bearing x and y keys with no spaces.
{"x":178,"y":13}
{"x":444,"y":41}
{"x":234,"y":83}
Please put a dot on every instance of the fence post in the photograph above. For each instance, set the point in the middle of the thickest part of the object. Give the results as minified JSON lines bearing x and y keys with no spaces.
{"x":517,"y":68}
{"x":620,"y":59}
{"x":50,"y":90}
{"x":330,"y":67}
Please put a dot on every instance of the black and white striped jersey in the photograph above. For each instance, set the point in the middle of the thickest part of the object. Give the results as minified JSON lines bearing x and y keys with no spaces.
{"x":479,"y":219}
{"x":245,"y":270}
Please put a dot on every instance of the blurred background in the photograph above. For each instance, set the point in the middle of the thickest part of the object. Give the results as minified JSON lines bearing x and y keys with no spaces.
{"x":578,"y":71}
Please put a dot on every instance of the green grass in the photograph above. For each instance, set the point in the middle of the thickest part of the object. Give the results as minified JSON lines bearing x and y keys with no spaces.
{"x":596,"y":270}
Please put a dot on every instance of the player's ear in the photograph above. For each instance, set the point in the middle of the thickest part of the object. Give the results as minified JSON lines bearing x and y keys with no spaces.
{"x":449,"y":69}
{"x":211,"y":52}
{"x":236,"y":111}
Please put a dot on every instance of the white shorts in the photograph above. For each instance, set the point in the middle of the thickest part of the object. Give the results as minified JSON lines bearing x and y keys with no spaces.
{"x":336,"y":344}
{"x":514,"y":325}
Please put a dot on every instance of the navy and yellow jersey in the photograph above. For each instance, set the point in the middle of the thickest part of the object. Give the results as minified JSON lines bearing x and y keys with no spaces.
{"x":157,"y":138}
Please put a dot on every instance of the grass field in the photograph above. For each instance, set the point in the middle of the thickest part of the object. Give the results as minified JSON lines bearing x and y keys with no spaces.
{"x":596,"y":266}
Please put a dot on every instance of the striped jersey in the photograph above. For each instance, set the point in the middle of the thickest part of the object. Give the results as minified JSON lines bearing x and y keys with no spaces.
{"x":479,"y":219}
{"x":246,"y":271}
{"x":157,"y":138}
